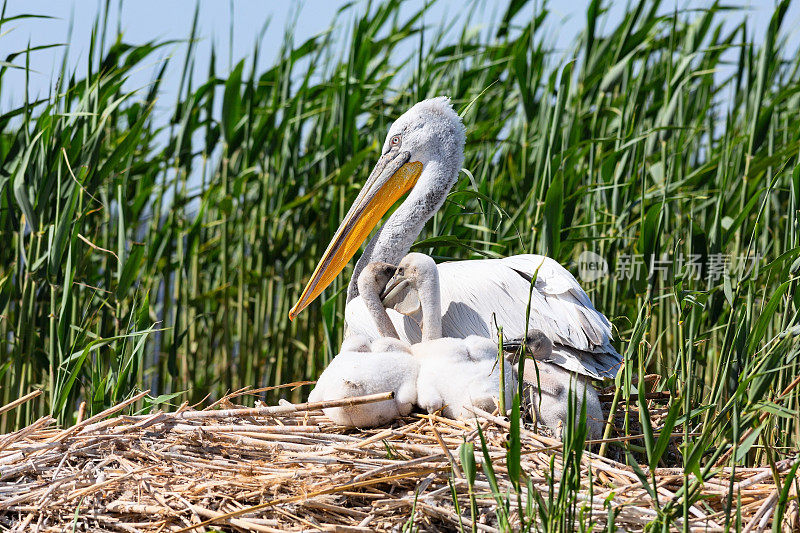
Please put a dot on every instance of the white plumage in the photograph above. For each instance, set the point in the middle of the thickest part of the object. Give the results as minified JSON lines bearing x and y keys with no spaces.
{"x":352,"y":374}
{"x":450,"y":374}
{"x":457,"y":373}
{"x":422,"y":155}
{"x":454,"y":373}
{"x":367,"y":366}
{"x":476,"y":293}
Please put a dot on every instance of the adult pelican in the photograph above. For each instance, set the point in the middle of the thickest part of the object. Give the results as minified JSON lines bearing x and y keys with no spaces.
{"x":422,"y":156}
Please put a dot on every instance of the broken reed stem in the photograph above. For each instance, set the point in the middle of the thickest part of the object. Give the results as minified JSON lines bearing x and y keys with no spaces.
{"x":92,"y":419}
{"x":284,"y":409}
{"x":20,"y":401}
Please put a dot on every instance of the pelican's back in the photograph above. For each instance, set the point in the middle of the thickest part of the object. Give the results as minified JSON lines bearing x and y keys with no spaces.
{"x":479,"y":295}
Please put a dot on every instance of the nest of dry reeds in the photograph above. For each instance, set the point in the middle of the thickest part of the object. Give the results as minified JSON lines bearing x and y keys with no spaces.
{"x":287,"y":467}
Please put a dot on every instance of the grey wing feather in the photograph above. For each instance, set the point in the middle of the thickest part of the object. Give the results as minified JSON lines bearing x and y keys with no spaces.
{"x":477,"y":293}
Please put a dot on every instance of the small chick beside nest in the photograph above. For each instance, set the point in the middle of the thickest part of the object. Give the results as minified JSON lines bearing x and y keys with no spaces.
{"x":549,"y":387}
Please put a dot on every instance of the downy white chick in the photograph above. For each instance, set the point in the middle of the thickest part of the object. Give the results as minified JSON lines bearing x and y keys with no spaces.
{"x":363,"y":368}
{"x":353,"y":374}
{"x":457,"y":373}
{"x":453,"y":373}
{"x":549,"y":390}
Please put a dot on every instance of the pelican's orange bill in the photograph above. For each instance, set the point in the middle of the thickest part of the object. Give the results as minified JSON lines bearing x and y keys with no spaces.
{"x":385,"y":186}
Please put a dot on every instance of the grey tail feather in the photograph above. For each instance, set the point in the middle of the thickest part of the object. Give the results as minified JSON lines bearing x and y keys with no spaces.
{"x":599,"y":365}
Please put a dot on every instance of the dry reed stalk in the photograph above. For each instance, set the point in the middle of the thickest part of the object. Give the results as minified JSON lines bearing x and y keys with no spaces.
{"x":20,"y":401}
{"x":284,"y":409}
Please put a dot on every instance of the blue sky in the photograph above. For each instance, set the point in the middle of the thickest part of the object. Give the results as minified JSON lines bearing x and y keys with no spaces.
{"x":146,"y":20}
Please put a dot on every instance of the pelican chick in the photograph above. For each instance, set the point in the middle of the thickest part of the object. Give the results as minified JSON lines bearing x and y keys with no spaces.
{"x":454,"y":373}
{"x":352,"y":374}
{"x":372,"y":282}
{"x":368,"y":367}
{"x":549,"y":387}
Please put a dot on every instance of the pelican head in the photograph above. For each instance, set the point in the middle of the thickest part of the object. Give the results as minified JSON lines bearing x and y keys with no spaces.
{"x":416,"y":273}
{"x":374,"y":278}
{"x":422,"y":155}
{"x":415,"y":288}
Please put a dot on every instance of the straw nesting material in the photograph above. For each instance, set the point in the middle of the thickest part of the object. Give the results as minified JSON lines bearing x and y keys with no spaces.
{"x":288,"y":468}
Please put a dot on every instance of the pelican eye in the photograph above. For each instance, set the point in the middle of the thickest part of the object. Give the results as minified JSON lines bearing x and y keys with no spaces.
{"x":401,"y":271}
{"x":395,"y":140}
